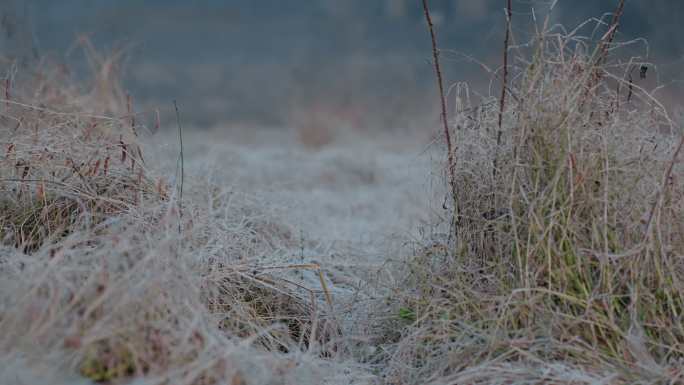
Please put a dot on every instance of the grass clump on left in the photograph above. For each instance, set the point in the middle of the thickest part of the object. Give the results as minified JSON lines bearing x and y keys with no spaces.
{"x":96,"y":279}
{"x":65,"y":166}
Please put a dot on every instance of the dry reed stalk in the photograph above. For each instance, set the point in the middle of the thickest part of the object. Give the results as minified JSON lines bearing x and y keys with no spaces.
{"x":8,"y":94}
{"x":504,"y":82}
{"x":451,"y":166}
{"x":181,"y":161}
{"x":157,"y":121}
{"x":131,"y":114}
{"x":610,"y":35}
{"x":665,"y":182}
{"x":602,"y":50}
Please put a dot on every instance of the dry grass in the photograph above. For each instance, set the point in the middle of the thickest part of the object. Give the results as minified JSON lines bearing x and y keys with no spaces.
{"x":566,"y":265}
{"x":67,"y":170}
{"x":94,"y":270}
{"x":563,"y":266}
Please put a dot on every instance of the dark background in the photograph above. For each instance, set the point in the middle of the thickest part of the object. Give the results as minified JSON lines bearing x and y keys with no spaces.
{"x":261,"y":61}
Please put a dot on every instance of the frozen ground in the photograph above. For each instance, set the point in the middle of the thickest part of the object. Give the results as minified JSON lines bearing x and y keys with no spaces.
{"x":351,"y":197}
{"x":351,"y":206}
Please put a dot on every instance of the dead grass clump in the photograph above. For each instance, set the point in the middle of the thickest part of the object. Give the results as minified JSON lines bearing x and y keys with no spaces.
{"x":98,"y":278}
{"x":127,"y":304}
{"x":65,"y":166}
{"x":246,"y":291}
{"x":285,"y":315}
{"x":568,"y":256}
{"x":130,"y":297}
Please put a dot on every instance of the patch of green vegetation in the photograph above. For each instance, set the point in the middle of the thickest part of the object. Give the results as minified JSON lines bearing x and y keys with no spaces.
{"x":104,"y":362}
{"x":407,"y":314}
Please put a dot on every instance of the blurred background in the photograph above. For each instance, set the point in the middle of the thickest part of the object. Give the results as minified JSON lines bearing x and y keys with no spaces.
{"x":364,"y":64}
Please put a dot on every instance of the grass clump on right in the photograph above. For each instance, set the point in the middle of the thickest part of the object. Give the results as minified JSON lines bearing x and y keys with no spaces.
{"x":564,"y":259}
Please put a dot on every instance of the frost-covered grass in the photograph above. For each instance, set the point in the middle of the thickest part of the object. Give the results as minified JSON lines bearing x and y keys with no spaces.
{"x":341,"y":263}
{"x":104,"y":274}
{"x":563,"y":262}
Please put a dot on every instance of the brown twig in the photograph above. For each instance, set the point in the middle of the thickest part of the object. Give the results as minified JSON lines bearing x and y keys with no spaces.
{"x":157,"y":121}
{"x":442,"y":99}
{"x":8,"y":94}
{"x":181,"y":161}
{"x":666,"y":178}
{"x":610,"y":35}
{"x":131,"y":115}
{"x":606,"y":40}
{"x":504,"y":81}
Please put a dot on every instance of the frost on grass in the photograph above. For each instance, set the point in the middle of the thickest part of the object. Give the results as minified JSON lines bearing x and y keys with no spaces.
{"x":563,"y":262}
{"x":104,"y":277}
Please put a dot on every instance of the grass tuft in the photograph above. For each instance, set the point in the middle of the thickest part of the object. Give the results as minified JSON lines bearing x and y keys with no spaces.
{"x":92,"y":270}
{"x":577,"y":266}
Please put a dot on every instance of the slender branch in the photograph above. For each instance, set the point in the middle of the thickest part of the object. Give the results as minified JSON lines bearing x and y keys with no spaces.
{"x":131,"y":114}
{"x":610,"y":36}
{"x":663,"y":187}
{"x":602,"y":50}
{"x":442,"y":99}
{"x":504,"y":81}
{"x":182,"y":165}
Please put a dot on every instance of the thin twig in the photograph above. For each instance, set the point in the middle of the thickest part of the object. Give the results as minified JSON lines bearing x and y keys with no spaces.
{"x":8,"y":92}
{"x":602,"y":49}
{"x":610,"y":36}
{"x":663,"y":187}
{"x":442,"y":99}
{"x":131,"y":114}
{"x":504,"y":81}
{"x":182,"y":166}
